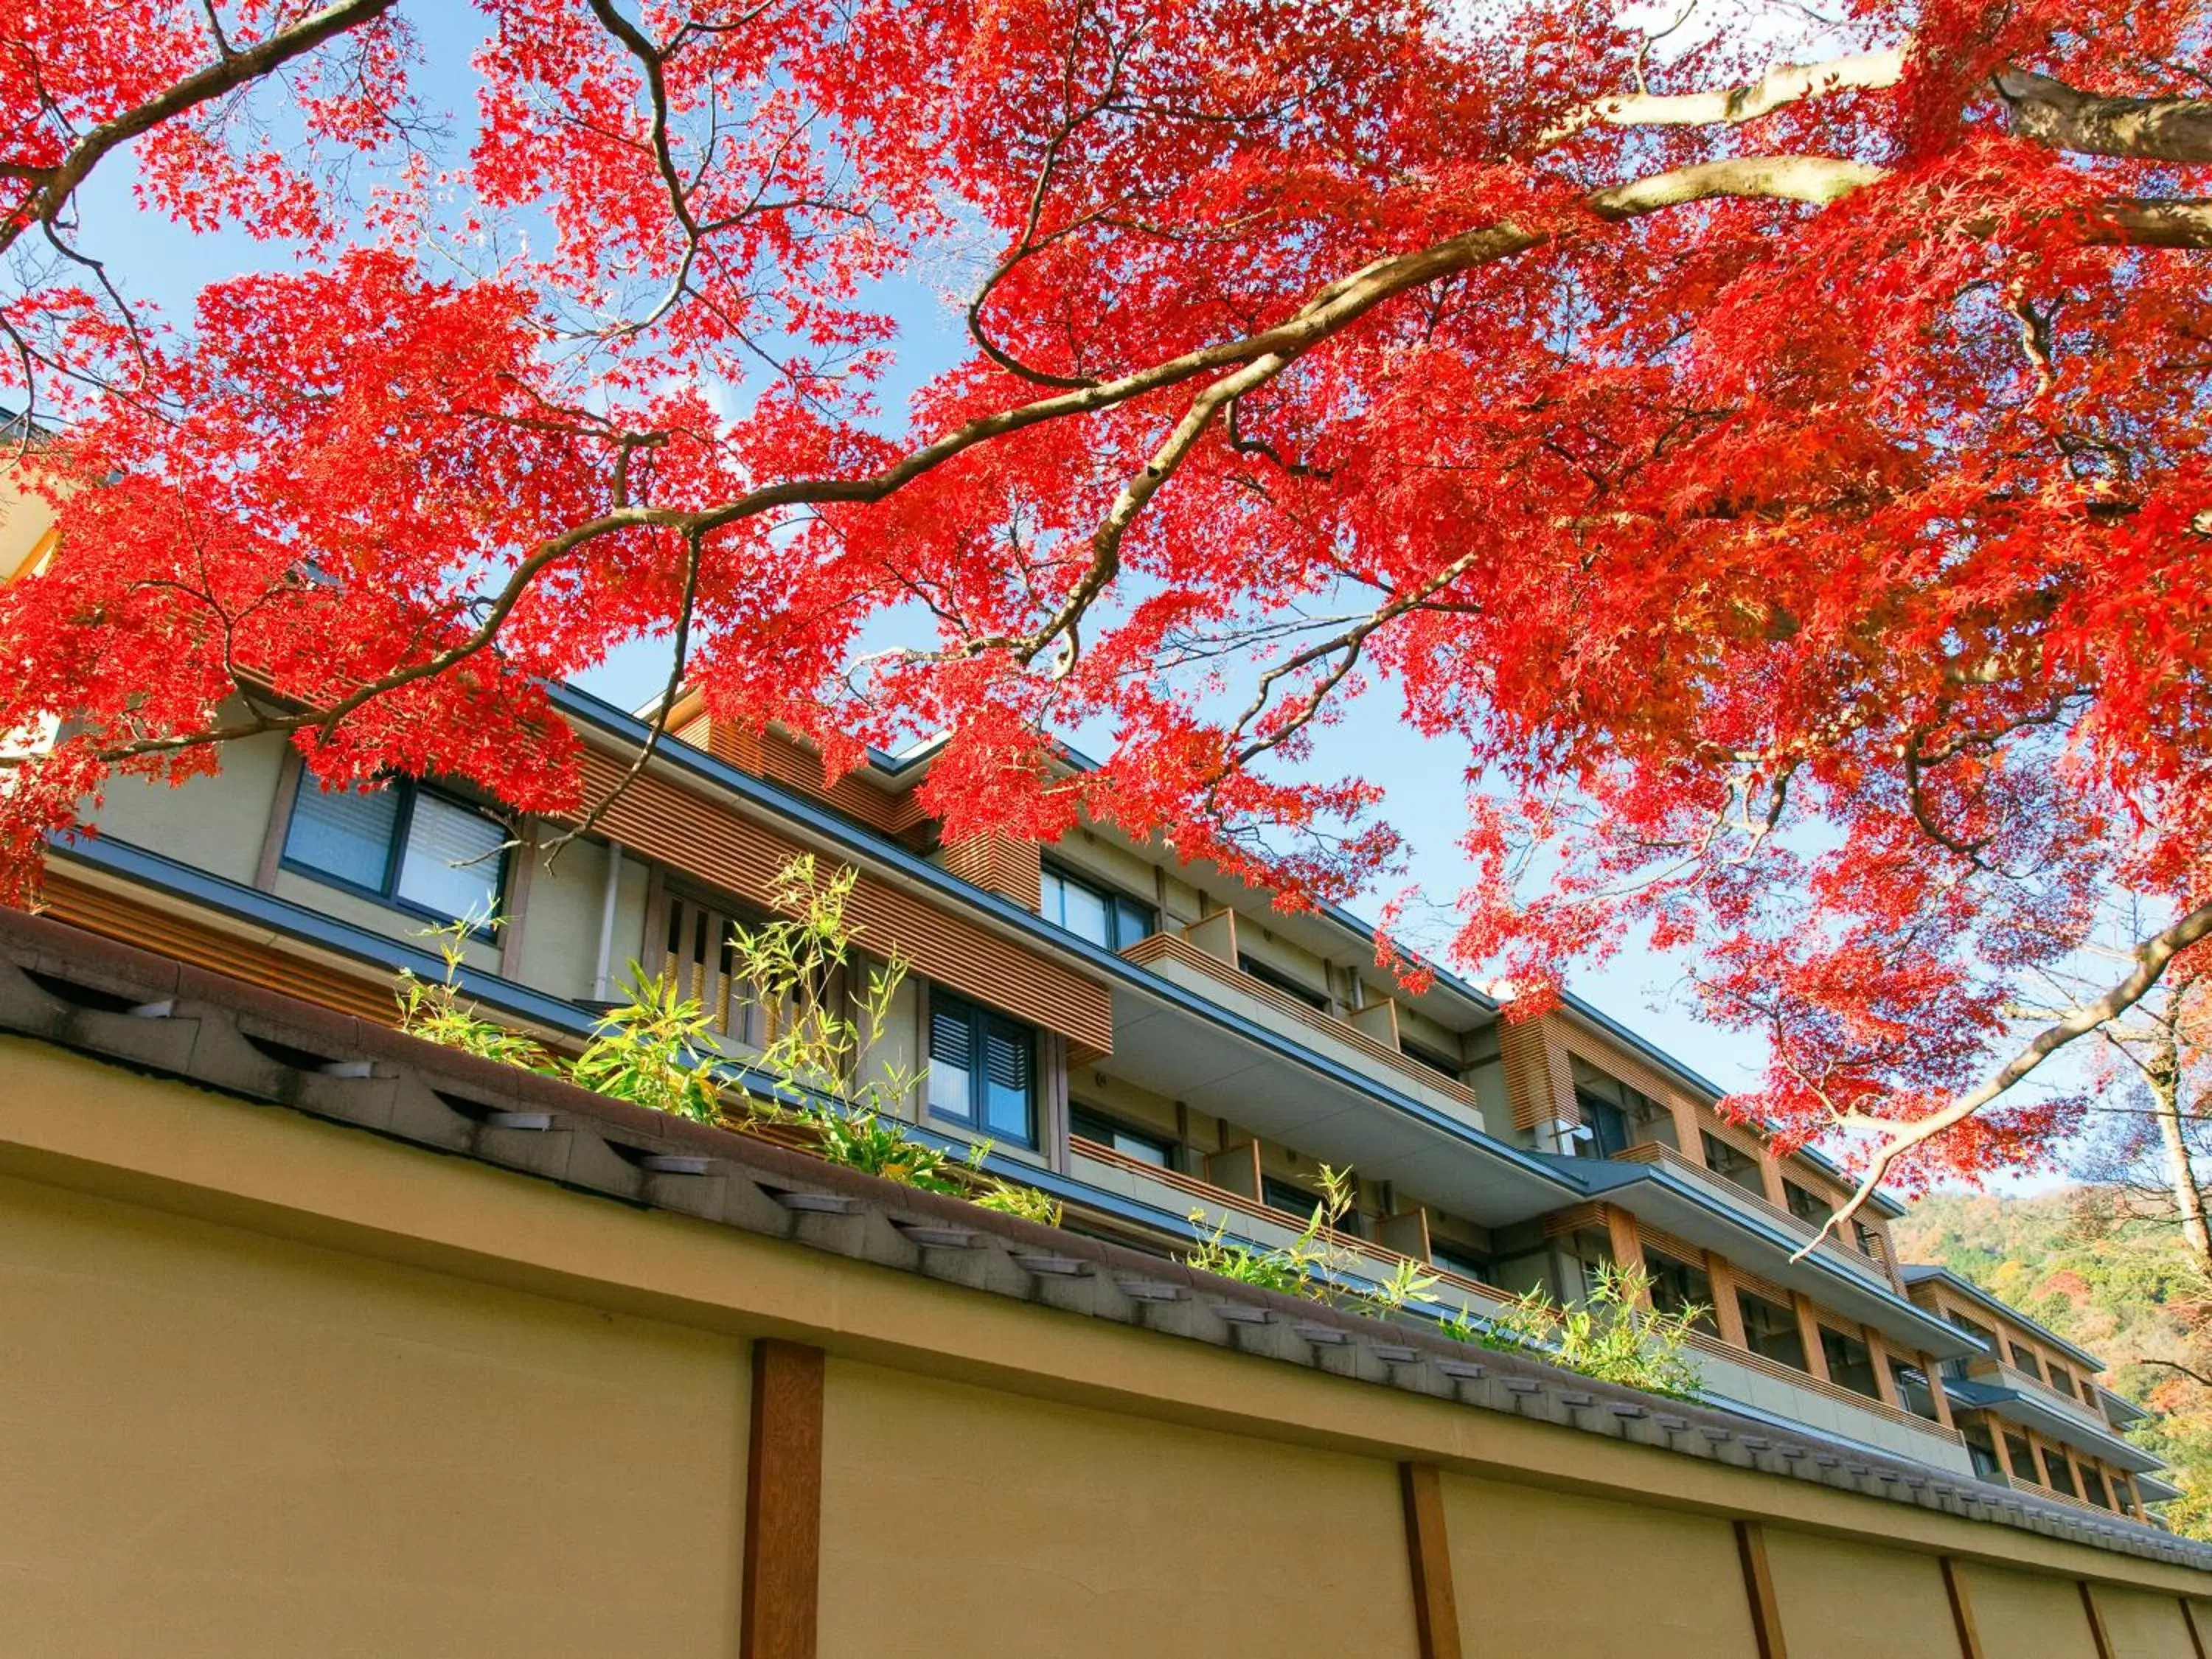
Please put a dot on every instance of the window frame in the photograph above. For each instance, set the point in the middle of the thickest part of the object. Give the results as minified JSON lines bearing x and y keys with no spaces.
{"x":1689,"y":1273}
{"x":1113,"y":898}
{"x":1792,"y":1331}
{"x":1906,"y":1378}
{"x":1168,"y":1147}
{"x":1275,"y":979}
{"x":982,"y":1023}
{"x":1708,"y":1142}
{"x":1836,"y":1354}
{"x":1807,"y":1206}
{"x":408,"y":790}
{"x":1274,"y":1188}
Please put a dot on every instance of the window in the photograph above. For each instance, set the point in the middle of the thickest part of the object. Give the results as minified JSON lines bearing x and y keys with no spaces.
{"x":1606,"y":1122}
{"x":1868,"y":1240}
{"x":401,"y":843}
{"x":1453,"y":1261}
{"x":1850,"y":1364}
{"x":1091,"y":912}
{"x":2024,"y":1359}
{"x":1981,"y":1333}
{"x":1807,"y":1206}
{"x":983,"y":1069}
{"x":1730,"y":1163}
{"x":2022,"y":1458}
{"x":2092,"y":1487}
{"x":1281,"y":982}
{"x":1430,"y":1058}
{"x":1770,"y":1330}
{"x":1983,"y":1451}
{"x":1583,"y":1253}
{"x":1914,"y":1390}
{"x":2061,"y":1472}
{"x":1617,"y":1115}
{"x":1141,"y":1144}
{"x":2062,"y":1380}
{"x":1677,"y":1285}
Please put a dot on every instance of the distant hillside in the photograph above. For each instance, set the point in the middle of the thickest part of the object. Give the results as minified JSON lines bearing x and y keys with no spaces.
{"x":2124,"y":1292}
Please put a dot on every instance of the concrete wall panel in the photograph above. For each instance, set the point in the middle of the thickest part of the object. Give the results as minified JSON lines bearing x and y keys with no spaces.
{"x":2025,"y":1616}
{"x":957,"y":1520}
{"x":1544,"y":1575}
{"x":216,"y":1443}
{"x":1840,"y":1599}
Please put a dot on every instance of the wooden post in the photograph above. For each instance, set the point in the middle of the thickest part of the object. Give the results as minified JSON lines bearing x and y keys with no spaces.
{"x":1808,"y":1332}
{"x":1759,"y":1590}
{"x":783,"y":1504}
{"x":1728,"y":1312}
{"x":1626,"y":1243}
{"x":1934,"y":1372}
{"x":2098,"y":1633}
{"x":1962,"y":1610}
{"x":1428,"y":1552}
{"x":2189,"y":1619}
{"x":1878,"y":1352}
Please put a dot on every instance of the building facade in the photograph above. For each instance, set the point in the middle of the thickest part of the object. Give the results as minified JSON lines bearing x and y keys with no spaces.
{"x":1149,"y":1042}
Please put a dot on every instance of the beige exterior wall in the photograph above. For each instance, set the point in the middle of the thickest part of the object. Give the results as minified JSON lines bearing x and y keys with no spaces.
{"x":273,"y":1386}
{"x":2025,"y":1616}
{"x":1615,"y":1579}
{"x":1850,"y":1601}
{"x":25,"y":522}
{"x":959,"y":1520}
{"x":2143,"y":1626}
{"x":560,"y":932}
{"x":225,"y":1444}
{"x":215,"y":823}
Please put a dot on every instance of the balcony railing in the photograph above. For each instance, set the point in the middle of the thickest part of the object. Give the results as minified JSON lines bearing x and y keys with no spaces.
{"x":1831,"y":1247}
{"x":1713,"y":1345}
{"x":1385,"y":1259}
{"x":1156,"y":948}
{"x":1997,"y":1371}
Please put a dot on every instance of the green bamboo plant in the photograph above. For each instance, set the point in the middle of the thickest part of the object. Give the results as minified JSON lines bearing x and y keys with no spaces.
{"x":1314,"y":1264}
{"x":1615,"y":1335}
{"x":656,"y":1048}
{"x":432,"y":1009}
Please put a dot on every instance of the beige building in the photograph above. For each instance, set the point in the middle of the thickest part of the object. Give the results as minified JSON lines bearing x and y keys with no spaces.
{"x":384,"y":1370}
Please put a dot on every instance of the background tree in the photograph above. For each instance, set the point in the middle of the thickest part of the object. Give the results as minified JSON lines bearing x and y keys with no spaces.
{"x":2142,"y":1157}
{"x":1773,"y":453}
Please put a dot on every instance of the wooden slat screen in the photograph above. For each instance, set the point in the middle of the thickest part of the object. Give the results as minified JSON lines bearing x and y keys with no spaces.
{"x":710,"y":843}
{"x":121,"y":918}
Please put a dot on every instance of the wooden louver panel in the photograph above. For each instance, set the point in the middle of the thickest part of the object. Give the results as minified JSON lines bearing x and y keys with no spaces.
{"x":712,"y":844}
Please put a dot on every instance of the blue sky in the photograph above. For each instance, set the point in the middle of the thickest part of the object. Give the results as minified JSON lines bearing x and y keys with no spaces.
{"x":1422,"y":780}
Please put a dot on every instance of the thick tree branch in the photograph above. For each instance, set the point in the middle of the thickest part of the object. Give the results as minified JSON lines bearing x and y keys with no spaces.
{"x":235,"y":68}
{"x":1732,"y":105}
{"x":2151,"y":958}
{"x":2141,"y":129}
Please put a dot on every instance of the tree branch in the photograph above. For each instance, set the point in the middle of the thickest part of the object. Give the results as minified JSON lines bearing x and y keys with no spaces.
{"x":2151,"y":958}
{"x":1733,"y":106}
{"x":2142,"y":128}
{"x":233,"y":69}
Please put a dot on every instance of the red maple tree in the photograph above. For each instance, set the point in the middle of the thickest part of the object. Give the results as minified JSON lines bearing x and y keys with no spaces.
{"x":1772,"y":447}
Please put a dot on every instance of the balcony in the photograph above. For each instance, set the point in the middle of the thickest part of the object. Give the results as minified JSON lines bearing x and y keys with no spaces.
{"x":1774,"y":1370}
{"x":1993,"y":1386}
{"x":1249,"y":1219}
{"x":1213,"y":973}
{"x":1832,"y":1249}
